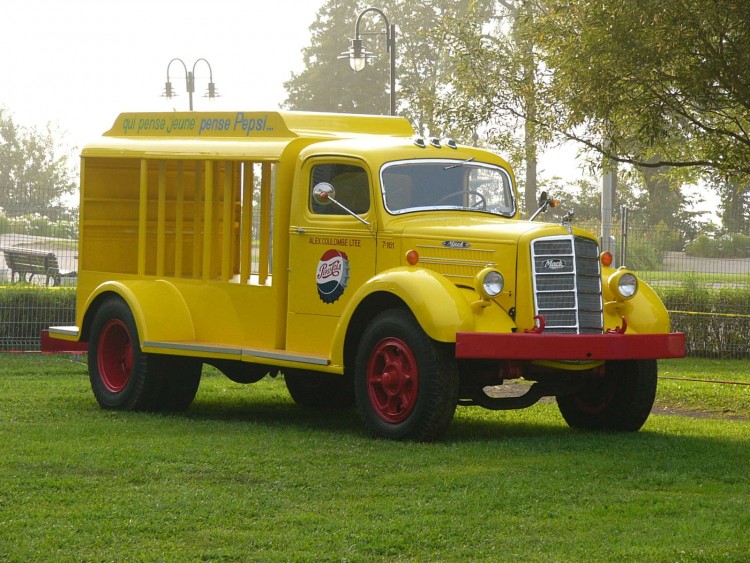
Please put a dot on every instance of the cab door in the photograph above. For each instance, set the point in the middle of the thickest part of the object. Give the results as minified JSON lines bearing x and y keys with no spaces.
{"x":332,"y":249}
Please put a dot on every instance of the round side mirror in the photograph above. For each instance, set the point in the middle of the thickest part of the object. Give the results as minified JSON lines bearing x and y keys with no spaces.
{"x":322,"y":192}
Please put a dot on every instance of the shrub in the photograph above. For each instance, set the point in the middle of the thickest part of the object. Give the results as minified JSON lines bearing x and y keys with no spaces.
{"x":39,"y":225}
{"x":732,"y":245}
{"x":646,"y":247}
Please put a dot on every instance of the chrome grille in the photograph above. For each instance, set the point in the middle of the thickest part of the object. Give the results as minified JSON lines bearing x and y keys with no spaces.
{"x":567,"y":284}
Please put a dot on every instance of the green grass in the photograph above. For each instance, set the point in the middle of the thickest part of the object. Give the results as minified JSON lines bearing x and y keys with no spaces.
{"x":246,"y":475}
{"x":709,"y":391}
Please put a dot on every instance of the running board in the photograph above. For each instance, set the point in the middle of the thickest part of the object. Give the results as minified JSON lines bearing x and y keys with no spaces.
{"x":233,"y":352}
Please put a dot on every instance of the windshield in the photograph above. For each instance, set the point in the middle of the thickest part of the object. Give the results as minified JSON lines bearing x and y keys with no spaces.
{"x":425,"y":185}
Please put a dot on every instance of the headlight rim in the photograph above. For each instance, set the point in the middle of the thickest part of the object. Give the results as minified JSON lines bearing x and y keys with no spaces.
{"x":616,"y":284}
{"x":481,"y":283}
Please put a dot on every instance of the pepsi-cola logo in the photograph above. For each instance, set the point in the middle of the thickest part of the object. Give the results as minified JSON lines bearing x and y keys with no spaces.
{"x":333,"y":275}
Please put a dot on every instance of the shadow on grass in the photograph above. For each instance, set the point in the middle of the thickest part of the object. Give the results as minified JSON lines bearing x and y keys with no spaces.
{"x":268,"y":406}
{"x":469,"y":424}
{"x":276,"y":412}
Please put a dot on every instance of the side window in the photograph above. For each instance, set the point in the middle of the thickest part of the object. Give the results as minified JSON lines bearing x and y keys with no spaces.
{"x":351,"y":185}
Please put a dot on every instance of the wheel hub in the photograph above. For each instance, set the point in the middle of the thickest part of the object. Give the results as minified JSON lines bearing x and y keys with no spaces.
{"x":392,"y":380}
{"x":115,"y":356}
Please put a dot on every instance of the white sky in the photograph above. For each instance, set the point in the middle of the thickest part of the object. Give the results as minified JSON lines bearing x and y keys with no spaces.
{"x":79,"y":63}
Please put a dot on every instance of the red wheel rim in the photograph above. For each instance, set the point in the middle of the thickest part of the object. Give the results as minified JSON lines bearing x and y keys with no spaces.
{"x":115,"y":355}
{"x":392,"y":380}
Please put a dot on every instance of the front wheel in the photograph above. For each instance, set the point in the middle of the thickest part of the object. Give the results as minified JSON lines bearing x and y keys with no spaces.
{"x":406,"y":384}
{"x":621,"y":399}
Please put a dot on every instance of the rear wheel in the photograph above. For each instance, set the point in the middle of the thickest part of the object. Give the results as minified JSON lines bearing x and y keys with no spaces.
{"x":122,"y":376}
{"x":406,"y":384}
{"x":180,"y":378}
{"x":620,"y":400}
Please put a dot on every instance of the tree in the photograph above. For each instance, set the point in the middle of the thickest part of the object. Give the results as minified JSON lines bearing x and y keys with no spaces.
{"x":660,"y":84}
{"x":499,"y":82}
{"x":665,"y":82}
{"x":327,"y":83}
{"x":424,"y":62}
{"x":735,"y":203}
{"x":34,"y":176}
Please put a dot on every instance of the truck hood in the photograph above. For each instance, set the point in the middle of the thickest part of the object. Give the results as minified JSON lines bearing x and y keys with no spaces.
{"x":471,"y":228}
{"x":460,"y":245}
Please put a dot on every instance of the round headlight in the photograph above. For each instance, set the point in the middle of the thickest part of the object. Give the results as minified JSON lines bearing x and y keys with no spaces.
{"x":627,"y":285}
{"x":492,"y":283}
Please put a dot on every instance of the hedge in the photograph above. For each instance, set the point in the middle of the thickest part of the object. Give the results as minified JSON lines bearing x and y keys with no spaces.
{"x":716,"y":322}
{"x":27,"y":310}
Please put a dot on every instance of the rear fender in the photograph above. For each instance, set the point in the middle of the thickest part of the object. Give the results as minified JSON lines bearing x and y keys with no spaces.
{"x":159,"y":309}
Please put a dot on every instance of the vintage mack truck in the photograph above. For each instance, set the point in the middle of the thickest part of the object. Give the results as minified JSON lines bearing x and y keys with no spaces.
{"x":365,"y":264}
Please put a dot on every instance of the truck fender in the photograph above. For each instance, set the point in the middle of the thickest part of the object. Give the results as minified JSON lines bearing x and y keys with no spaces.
{"x":159,"y":309}
{"x":645,"y":312}
{"x":438,"y":305}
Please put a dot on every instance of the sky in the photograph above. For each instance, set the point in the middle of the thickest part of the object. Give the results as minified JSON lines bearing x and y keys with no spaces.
{"x":79,"y":63}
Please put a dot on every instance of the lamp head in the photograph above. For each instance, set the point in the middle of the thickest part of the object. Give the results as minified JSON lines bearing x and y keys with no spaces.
{"x":212,"y":92}
{"x":169,"y":92}
{"x":357,"y":55}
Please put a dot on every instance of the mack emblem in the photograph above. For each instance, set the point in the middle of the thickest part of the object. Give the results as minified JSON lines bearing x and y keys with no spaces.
{"x":455,"y":244}
{"x":551,"y":264}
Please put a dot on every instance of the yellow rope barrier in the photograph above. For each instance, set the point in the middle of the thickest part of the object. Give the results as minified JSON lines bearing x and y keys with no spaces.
{"x":707,"y":314}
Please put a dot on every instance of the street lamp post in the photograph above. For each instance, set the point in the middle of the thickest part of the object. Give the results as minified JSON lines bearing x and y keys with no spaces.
{"x":211,"y":93}
{"x":358,"y":56}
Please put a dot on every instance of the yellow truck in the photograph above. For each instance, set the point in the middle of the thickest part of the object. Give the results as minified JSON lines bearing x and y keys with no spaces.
{"x":367,"y":265}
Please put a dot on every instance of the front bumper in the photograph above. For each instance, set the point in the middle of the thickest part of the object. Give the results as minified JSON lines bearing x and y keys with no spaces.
{"x":571,"y":347}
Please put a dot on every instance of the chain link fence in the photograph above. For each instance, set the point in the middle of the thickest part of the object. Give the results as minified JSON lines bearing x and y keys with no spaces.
{"x":706,"y":290}
{"x":704,"y":284}
{"x":38,"y":267}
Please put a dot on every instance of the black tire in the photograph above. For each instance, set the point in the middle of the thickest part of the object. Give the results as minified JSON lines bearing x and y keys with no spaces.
{"x":122,"y":376}
{"x":620,"y":400}
{"x":406,"y":384}
{"x":180,"y":379}
{"x":319,"y":390}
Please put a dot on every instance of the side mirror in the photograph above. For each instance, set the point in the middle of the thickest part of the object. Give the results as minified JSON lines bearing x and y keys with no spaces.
{"x":324,"y":193}
{"x":544,"y":202}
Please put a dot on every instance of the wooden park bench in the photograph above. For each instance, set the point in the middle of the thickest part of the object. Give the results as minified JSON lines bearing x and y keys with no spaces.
{"x":25,"y":263}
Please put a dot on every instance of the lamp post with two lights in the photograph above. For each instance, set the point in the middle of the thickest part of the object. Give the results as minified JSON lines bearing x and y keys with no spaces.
{"x":190,"y":81}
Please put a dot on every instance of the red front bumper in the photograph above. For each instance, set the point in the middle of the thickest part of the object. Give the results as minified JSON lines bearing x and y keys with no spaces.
{"x":581,"y":347}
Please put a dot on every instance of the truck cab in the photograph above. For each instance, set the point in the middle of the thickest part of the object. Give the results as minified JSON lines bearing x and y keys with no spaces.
{"x":366,"y":265}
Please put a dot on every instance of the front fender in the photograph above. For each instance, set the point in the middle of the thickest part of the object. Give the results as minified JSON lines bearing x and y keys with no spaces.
{"x":158,"y":307}
{"x":645,"y":312}
{"x":438,"y":305}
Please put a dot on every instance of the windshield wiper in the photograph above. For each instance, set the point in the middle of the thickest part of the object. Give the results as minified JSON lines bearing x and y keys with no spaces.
{"x":458,"y":164}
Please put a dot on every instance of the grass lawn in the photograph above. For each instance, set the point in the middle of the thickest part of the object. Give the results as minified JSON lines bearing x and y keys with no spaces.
{"x":247,"y":475}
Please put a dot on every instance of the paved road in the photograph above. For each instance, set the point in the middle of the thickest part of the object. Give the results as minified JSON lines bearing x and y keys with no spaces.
{"x":679,"y":262}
